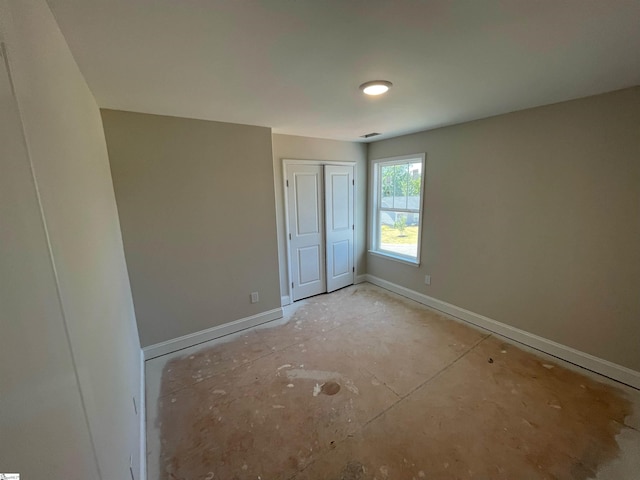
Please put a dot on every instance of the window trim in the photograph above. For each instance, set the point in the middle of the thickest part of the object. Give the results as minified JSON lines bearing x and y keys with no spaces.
{"x":374,"y":211}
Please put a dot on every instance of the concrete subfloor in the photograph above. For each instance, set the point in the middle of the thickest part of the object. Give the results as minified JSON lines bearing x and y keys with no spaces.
{"x":364,"y":384}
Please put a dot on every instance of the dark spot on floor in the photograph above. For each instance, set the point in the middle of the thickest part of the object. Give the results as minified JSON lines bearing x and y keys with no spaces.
{"x":330,"y":388}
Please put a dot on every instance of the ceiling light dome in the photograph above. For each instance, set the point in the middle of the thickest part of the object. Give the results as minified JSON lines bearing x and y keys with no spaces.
{"x":376,"y":87}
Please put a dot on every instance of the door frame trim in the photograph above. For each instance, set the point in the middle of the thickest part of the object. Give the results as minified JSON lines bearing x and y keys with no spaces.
{"x":310,"y":162}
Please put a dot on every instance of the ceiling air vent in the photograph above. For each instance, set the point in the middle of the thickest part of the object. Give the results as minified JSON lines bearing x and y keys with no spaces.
{"x":369,"y":135}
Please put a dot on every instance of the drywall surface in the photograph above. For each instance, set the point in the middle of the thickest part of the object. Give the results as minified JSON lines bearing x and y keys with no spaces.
{"x":533,"y":219}
{"x":39,"y":396}
{"x":306,"y":148}
{"x":197,"y":210}
{"x":66,"y":146}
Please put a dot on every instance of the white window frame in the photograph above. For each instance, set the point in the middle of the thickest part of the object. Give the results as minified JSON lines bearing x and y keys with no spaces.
{"x":375,"y":189}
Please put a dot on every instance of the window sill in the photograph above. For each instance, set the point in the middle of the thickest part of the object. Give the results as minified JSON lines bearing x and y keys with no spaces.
{"x":397,"y":258}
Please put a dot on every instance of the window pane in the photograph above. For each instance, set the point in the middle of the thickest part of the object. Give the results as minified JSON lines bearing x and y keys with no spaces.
{"x":413,"y":185}
{"x":398,"y":233}
{"x":400,"y":178}
{"x":386,"y":186}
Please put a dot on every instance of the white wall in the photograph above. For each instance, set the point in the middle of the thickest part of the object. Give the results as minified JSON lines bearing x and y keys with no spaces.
{"x":71,"y":356}
{"x":307,"y":148}
{"x":533,"y":219}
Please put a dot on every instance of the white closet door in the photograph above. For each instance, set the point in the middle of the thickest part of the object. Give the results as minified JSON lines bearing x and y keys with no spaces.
{"x":306,"y":230}
{"x":339,"y":226}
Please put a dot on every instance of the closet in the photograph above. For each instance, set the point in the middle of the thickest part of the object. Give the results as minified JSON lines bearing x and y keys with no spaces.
{"x":319,"y":199}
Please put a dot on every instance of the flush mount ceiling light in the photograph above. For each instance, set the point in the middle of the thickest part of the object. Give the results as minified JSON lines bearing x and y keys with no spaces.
{"x":375,"y":87}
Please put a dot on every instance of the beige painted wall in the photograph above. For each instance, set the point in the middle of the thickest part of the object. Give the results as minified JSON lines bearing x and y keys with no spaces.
{"x":533,"y":219}
{"x":70,"y":351}
{"x":306,"y":148}
{"x":197,"y":210}
{"x":41,"y":397}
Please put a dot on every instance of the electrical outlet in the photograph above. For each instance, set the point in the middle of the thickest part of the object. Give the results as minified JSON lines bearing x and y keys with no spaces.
{"x":255,"y":298}
{"x":427,"y":279}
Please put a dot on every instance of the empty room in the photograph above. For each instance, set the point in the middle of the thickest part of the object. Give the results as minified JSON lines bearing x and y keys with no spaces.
{"x":320,"y":239}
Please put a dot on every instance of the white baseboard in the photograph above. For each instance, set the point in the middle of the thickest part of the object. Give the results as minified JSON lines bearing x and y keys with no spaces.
{"x":142,"y":415}
{"x":153,"y":351}
{"x":360,"y":279}
{"x":285,"y":300}
{"x":603,"y":367}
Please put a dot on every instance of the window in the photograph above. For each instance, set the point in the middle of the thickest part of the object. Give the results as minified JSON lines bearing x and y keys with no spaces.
{"x":397,"y":186}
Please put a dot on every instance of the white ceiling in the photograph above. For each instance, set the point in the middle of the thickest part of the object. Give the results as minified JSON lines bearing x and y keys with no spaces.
{"x":295,"y":65}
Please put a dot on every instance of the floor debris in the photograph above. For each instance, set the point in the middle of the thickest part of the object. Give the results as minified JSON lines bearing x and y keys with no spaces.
{"x":398,"y":392}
